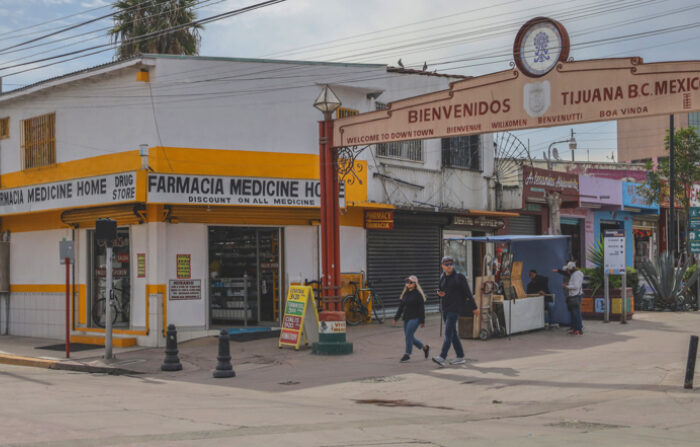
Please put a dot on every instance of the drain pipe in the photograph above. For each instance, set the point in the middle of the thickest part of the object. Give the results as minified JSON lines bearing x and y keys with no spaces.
{"x":5,"y":264}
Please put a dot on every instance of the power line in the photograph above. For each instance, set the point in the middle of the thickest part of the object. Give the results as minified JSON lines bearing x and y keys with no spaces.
{"x":107,"y":47}
{"x":58,"y":19}
{"x":68,"y":28}
{"x":199,"y":5}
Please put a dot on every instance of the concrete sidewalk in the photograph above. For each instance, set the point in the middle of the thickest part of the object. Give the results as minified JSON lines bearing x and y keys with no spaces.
{"x":616,"y":385}
{"x":261,"y":365}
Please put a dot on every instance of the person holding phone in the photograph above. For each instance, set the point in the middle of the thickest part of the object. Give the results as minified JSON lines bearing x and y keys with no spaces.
{"x":455,"y":295}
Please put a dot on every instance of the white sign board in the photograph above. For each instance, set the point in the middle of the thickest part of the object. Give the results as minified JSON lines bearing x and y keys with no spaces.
{"x":218,"y":190}
{"x":100,"y":190}
{"x":185,"y":289}
{"x":695,"y":196}
{"x":614,"y":246}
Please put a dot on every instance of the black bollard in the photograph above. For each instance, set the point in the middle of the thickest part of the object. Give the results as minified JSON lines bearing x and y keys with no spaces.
{"x":223,"y":366}
{"x":690,"y":367}
{"x":172,"y":361}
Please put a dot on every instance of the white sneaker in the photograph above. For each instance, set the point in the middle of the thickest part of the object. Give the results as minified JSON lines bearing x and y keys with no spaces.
{"x":458,"y":361}
{"x":439,"y":360}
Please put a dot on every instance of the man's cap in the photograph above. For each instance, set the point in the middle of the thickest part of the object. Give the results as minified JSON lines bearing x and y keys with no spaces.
{"x":447,"y":258}
{"x":569,"y":266}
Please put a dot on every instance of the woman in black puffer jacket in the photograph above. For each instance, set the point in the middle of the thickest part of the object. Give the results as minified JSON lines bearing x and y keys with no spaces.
{"x":412,"y":307}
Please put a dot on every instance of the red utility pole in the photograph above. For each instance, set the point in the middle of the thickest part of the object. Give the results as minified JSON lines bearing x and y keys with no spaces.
{"x":67,"y":260}
{"x":332,"y":331}
{"x":330,"y":218}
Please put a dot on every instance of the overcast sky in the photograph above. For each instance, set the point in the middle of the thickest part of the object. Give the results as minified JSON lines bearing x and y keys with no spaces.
{"x":468,"y":37}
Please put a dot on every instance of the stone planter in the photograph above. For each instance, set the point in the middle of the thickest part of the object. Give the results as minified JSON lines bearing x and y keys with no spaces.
{"x":593,"y":307}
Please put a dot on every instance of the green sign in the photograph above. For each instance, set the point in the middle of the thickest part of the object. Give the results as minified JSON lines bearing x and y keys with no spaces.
{"x":694,"y":240}
{"x":695,"y":218}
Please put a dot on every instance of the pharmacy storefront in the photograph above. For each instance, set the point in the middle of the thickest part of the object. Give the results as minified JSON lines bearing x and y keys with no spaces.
{"x":199,"y":251}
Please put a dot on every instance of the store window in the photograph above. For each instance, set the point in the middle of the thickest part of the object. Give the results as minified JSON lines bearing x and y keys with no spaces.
{"x":4,"y":127}
{"x":38,"y":141}
{"x":403,"y":150}
{"x":343,"y":112}
{"x":121,"y":280}
{"x":462,"y":152}
{"x":643,"y":245}
{"x":694,"y":121}
{"x":244,"y":275}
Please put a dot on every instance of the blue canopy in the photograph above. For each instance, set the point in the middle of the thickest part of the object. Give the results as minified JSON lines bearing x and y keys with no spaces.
{"x":542,"y":253}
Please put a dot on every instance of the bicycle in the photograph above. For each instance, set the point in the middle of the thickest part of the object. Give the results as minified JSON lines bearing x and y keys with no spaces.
{"x":356,"y":311}
{"x":119,"y":308}
{"x":316,"y":288}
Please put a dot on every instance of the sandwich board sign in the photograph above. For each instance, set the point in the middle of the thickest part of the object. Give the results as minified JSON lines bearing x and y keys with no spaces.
{"x":300,"y":319}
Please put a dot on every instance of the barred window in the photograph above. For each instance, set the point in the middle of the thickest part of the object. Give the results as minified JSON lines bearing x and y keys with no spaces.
{"x":4,"y":128}
{"x":694,"y":121}
{"x":462,"y":152}
{"x":38,"y":141}
{"x":342,"y":112}
{"x":405,"y":150}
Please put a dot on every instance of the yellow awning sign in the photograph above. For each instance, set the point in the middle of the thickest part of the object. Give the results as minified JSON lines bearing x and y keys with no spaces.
{"x":300,"y":318}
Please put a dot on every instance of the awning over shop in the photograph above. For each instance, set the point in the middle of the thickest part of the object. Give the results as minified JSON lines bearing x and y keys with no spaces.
{"x":129,"y":214}
{"x":491,"y":213}
{"x":508,"y":238}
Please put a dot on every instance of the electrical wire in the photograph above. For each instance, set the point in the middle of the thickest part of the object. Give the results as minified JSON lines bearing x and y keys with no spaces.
{"x":94,"y":53}
{"x":102,"y":31}
{"x":106,"y":47}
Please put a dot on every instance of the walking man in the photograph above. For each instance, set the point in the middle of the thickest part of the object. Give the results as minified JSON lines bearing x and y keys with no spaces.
{"x":455,"y":295}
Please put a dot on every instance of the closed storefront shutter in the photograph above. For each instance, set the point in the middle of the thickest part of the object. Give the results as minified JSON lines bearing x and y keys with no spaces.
{"x":525,"y":225}
{"x":411,"y":248}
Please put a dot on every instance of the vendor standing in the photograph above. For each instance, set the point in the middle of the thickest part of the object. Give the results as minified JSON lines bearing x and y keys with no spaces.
{"x":455,"y":295}
{"x":574,"y":289}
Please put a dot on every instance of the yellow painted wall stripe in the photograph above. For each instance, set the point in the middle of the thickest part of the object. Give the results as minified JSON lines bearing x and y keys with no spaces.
{"x":86,"y":167}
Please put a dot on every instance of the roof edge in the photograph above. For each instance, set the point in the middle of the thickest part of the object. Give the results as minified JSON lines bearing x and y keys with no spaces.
{"x":71,"y":77}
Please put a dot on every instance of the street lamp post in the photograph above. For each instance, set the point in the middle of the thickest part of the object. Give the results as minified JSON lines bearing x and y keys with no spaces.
{"x":572,"y":146}
{"x":332,"y":335}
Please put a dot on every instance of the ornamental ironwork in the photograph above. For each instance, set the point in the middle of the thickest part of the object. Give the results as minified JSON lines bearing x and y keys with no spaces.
{"x":348,"y":170}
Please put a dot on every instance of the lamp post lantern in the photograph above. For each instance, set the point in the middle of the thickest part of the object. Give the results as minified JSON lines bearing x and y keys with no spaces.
{"x":332,"y":335}
{"x":572,"y":146}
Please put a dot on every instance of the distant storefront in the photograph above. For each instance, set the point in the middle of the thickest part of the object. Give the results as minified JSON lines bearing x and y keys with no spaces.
{"x":645,"y":217}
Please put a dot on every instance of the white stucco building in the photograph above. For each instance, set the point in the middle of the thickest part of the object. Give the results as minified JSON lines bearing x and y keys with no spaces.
{"x":210,"y":168}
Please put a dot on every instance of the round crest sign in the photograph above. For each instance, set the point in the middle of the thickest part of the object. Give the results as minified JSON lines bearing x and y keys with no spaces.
{"x":539,"y":45}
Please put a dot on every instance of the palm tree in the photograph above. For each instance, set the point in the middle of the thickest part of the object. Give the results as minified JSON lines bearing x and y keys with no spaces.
{"x":136,"y":18}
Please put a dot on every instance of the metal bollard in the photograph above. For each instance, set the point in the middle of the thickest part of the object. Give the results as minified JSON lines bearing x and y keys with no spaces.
{"x":172,"y":361}
{"x":223,"y":366}
{"x":690,"y":367}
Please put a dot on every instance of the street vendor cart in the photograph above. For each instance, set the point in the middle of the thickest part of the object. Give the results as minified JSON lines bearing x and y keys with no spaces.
{"x":514,"y":310}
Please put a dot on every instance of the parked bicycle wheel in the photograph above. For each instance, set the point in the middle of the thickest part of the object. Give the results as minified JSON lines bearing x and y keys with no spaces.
{"x":378,"y":308}
{"x":98,"y":312}
{"x":353,"y":310}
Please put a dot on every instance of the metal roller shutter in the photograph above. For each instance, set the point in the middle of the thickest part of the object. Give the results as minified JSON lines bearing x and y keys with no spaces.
{"x":524,"y":225}
{"x":413,"y":247}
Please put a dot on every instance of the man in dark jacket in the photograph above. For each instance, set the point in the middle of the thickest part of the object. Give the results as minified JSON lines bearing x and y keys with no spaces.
{"x":537,"y":284}
{"x":456,"y":298}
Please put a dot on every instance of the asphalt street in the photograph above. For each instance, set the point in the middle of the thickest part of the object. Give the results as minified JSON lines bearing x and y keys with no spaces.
{"x":616,"y":385}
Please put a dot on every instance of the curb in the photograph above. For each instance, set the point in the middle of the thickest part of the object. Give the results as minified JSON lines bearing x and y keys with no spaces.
{"x":63,"y":365}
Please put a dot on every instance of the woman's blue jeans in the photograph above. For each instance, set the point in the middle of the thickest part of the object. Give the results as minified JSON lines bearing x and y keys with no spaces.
{"x":409,"y":329}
